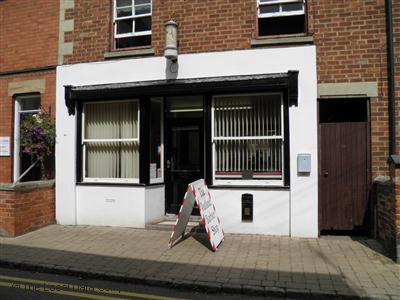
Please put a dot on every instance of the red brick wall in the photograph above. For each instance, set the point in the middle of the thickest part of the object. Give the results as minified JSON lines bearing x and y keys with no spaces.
{"x":7,"y":112}
{"x":396,"y":28}
{"x":203,"y":26}
{"x":24,"y":211}
{"x":29,"y":34}
{"x":397,"y":211}
{"x":206,"y":25}
{"x":351,"y":47}
{"x":385,"y":216}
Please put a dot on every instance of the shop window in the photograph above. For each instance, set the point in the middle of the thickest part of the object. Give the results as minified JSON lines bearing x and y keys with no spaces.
{"x":278,"y":17}
{"x":248,"y":139}
{"x":110,"y":140}
{"x":132,"y":23}
{"x":156,"y":141}
{"x":25,"y":105}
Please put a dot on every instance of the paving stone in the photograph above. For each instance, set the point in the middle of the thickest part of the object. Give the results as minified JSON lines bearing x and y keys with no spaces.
{"x":275,"y":265}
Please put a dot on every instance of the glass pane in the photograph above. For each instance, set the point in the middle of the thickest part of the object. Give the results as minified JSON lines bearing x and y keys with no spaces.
{"x":124,"y":26}
{"x":266,"y":1}
{"x":133,"y":41}
{"x":269,"y":9}
{"x":138,"y":2}
{"x":124,"y":12}
{"x":292,"y":7}
{"x":112,"y":160}
{"x":111,"y":120}
{"x":184,"y":104}
{"x":281,"y":25}
{"x":142,"y":24}
{"x":30,"y":103}
{"x":121,"y":3}
{"x":186,"y":137}
{"x":143,"y":9}
{"x":262,"y":157}
{"x":253,"y":115}
{"x":25,"y":162}
{"x":155,"y":139}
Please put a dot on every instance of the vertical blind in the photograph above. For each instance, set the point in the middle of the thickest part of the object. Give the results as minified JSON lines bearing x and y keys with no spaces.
{"x":248,"y":135}
{"x":111,"y":140}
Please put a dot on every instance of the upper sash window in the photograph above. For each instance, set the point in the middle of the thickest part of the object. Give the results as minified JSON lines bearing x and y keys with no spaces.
{"x":279,"y":17}
{"x":132,"y":23}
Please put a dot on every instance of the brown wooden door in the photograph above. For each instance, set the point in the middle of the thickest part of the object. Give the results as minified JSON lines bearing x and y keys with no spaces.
{"x":343,"y":178}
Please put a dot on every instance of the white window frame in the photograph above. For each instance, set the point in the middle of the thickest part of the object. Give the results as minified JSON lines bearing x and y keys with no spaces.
{"x":132,"y":17}
{"x":85,"y":141}
{"x":248,"y":182}
{"x":17,"y":118}
{"x":281,"y":13}
{"x":160,"y":179}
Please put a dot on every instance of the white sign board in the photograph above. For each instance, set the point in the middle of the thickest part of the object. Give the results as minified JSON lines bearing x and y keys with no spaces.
{"x":153,"y":171}
{"x":4,"y":146}
{"x":198,"y":192}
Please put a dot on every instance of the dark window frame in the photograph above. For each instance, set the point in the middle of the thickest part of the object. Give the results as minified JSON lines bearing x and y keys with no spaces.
{"x":305,"y":14}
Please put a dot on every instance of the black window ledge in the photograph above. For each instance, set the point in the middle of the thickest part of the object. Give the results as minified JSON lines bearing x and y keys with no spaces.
{"x":244,"y":187}
{"x":117,"y":184}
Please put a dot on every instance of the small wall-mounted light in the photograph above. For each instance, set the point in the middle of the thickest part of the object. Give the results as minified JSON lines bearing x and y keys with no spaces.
{"x":171,"y":41}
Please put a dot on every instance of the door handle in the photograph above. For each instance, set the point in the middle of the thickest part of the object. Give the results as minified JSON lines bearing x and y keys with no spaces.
{"x":169,"y":164}
{"x":326,"y":174}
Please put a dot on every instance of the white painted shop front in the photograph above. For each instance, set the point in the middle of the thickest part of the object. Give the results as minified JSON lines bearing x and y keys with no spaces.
{"x":285,"y":201}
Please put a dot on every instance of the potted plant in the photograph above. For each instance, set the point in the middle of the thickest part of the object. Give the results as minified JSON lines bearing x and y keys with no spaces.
{"x":38,"y":132}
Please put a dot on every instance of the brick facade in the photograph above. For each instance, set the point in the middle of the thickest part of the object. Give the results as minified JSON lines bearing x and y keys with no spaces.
{"x":384,"y":197}
{"x":28,"y":35}
{"x":350,"y":37}
{"x":351,"y":47}
{"x":7,"y":111}
{"x":26,"y":208}
{"x":28,"y":53}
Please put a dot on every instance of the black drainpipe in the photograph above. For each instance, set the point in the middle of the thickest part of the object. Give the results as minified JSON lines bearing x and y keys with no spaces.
{"x":391,"y":81}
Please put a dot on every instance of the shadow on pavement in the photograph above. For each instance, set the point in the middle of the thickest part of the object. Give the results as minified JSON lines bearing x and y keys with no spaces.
{"x":201,"y":276}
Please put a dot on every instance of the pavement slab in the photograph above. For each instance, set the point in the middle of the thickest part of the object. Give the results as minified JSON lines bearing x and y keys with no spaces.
{"x":324,"y":268}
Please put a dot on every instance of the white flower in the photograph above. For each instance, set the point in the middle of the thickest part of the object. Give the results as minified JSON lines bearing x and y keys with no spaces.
{"x":38,"y":118}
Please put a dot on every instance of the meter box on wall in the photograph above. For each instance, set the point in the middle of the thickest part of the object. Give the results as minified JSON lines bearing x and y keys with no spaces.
{"x":304,"y":163}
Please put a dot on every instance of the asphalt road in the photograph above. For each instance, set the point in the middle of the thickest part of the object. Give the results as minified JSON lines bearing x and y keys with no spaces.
{"x":17,"y":284}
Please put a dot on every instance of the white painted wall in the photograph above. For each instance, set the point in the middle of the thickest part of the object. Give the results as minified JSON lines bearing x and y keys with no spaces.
{"x":270,"y":211}
{"x":303,"y":201}
{"x":111,"y":206}
{"x":154,"y":203}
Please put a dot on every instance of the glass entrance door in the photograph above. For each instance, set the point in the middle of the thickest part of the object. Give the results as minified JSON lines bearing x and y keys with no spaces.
{"x":184,"y":150}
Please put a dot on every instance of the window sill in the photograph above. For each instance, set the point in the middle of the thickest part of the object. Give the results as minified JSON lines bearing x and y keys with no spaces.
{"x":243,"y":187}
{"x":27,"y":186}
{"x":282,"y":40}
{"x":129,"y":53}
{"x":119,"y":184}
{"x":110,"y":184}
